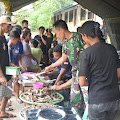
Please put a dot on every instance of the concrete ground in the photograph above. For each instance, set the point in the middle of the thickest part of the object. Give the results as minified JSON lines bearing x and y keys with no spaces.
{"x":17,"y":107}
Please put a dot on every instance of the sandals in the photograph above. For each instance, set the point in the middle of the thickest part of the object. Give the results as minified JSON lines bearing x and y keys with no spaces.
{"x":8,"y":108}
{"x":19,"y":101}
{"x":7,"y":115}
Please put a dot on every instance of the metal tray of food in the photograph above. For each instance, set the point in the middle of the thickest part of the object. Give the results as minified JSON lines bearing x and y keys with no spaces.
{"x":23,"y":110}
{"x":70,"y":114}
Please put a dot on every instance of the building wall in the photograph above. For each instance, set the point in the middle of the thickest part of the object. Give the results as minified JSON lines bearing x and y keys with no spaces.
{"x":77,"y":22}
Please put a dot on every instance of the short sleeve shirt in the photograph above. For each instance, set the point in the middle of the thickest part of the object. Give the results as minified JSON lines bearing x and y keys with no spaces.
{"x":25,"y":59}
{"x":18,"y":49}
{"x":37,"y":53}
{"x":73,"y":48}
{"x":4,"y":57}
{"x":99,"y":64}
{"x":66,"y":65}
{"x":49,"y":41}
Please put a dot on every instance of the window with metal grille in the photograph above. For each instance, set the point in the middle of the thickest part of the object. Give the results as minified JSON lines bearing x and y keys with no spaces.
{"x":57,"y":17}
{"x":83,"y":14}
{"x":90,"y":15}
{"x":66,"y":17}
{"x":71,"y":16}
{"x":54,"y":18}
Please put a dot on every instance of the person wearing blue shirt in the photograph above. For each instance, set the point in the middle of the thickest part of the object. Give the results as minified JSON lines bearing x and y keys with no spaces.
{"x":17,"y":50}
{"x":64,"y":70}
{"x":63,"y":75}
{"x":14,"y":39}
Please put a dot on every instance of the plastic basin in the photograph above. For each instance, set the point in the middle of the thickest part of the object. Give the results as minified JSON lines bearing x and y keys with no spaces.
{"x":36,"y":85}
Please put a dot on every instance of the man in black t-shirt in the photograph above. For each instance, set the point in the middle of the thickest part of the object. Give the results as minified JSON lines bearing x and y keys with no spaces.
{"x":99,"y":63}
{"x":5,"y":80}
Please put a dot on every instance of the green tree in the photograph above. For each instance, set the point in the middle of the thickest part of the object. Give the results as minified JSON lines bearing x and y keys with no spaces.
{"x":42,"y":12}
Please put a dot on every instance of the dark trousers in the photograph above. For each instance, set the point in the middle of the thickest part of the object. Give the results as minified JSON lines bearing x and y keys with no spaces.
{"x":103,"y":111}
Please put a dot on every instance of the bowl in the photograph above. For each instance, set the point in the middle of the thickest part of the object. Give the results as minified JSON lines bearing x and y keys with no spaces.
{"x":37,"y":85}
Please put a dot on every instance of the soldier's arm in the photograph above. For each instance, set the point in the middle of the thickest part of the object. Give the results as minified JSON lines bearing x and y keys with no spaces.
{"x":62,"y":73}
{"x":63,"y":86}
{"x":83,"y":81}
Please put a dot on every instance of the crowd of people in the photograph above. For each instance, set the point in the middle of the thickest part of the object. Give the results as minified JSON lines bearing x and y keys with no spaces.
{"x":82,"y":58}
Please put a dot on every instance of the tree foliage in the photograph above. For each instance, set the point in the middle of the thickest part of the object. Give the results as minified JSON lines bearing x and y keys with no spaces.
{"x":42,"y":12}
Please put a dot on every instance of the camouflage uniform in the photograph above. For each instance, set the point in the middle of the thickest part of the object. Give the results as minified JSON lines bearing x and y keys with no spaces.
{"x":73,"y":48}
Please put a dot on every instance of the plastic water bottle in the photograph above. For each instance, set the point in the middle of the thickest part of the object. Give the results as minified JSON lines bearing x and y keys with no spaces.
{"x":34,"y":62}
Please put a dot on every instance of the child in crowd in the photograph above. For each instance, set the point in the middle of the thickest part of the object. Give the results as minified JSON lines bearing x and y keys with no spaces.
{"x":99,"y":63}
{"x":18,"y":49}
{"x":64,"y":70}
{"x":39,"y":43}
{"x":50,"y":52}
{"x":27,"y":56}
{"x":37,"y":53}
{"x":63,"y":75}
{"x":23,"y":29}
{"x":14,"y":39}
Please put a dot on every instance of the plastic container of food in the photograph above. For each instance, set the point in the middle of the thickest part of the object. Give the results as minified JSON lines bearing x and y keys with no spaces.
{"x":37,"y":85}
{"x":12,"y":70}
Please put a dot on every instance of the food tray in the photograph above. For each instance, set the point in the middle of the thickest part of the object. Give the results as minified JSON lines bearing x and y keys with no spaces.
{"x":23,"y":110}
{"x":71,"y":114}
{"x":21,"y":97}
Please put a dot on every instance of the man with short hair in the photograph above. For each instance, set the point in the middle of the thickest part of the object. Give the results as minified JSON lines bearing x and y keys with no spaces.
{"x":72,"y":48}
{"x":99,"y":63}
{"x":5,"y":80}
{"x":25,"y":24}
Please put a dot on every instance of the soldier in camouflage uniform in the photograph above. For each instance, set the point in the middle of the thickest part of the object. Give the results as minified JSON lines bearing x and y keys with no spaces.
{"x":72,"y":48}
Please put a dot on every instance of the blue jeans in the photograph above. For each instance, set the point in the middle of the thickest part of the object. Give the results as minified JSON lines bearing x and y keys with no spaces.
{"x":103,"y":111}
